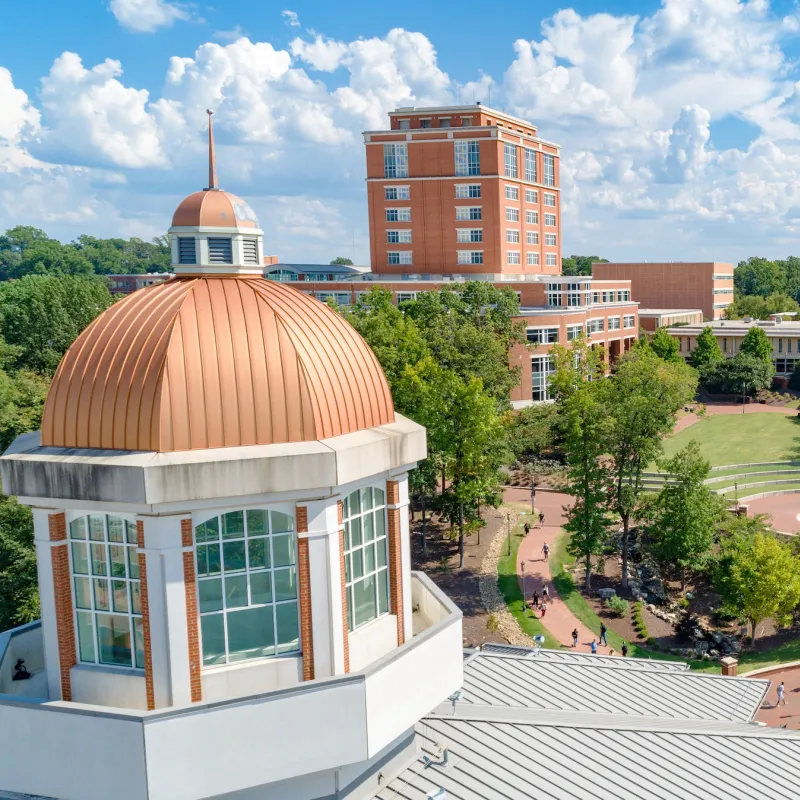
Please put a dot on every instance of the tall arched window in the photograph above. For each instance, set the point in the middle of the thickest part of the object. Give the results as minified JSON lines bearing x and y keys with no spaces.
{"x":247,"y":585}
{"x":366,"y":556}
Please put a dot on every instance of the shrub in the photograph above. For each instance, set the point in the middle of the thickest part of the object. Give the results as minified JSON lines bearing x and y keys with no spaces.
{"x":684,"y":602}
{"x":617,"y":605}
{"x":492,"y":623}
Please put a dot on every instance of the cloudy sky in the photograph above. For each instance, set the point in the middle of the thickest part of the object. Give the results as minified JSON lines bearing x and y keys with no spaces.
{"x":679,"y":121}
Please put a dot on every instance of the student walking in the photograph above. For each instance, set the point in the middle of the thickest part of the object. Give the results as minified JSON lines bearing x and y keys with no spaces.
{"x":536,"y":599}
{"x":575,"y":637}
{"x":541,"y":519}
{"x":781,"y":695}
{"x":603,"y":631}
{"x":624,"y":649}
{"x":544,"y":608}
{"x":527,"y":527}
{"x":594,"y":646}
{"x":546,"y":551}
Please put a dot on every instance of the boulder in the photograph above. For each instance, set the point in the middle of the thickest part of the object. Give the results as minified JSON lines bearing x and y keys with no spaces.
{"x":606,"y":593}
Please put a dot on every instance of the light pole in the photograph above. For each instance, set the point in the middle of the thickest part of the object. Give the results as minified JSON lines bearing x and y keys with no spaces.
{"x":508,"y":530}
{"x":522,"y":572}
{"x":533,"y":496}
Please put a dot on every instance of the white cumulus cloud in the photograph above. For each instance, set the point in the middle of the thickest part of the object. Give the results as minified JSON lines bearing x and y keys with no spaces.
{"x":146,"y":16}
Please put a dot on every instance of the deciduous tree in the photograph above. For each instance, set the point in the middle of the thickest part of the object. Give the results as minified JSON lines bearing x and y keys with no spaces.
{"x":707,"y":352}
{"x":757,"y":344}
{"x":665,"y":346}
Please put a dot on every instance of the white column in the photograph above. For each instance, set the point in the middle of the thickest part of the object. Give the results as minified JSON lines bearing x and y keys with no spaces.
{"x":169,"y":638}
{"x":47,"y":599}
{"x":405,"y":553}
{"x":326,"y":587}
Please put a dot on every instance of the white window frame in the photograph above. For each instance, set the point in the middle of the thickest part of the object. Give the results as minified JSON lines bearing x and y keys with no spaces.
{"x":510,"y":160}
{"x":469,"y":256}
{"x":551,"y":260}
{"x":469,"y":235}
{"x":548,"y":169}
{"x":549,"y":200}
{"x":512,"y":214}
{"x":467,"y":156}
{"x":398,"y":236}
{"x":629,"y":321}
{"x":550,"y":220}
{"x":574,"y":332}
{"x":396,"y":192}
{"x":512,"y":192}
{"x":547,"y":334}
{"x":550,"y":240}
{"x":469,"y":213}
{"x":533,"y":259}
{"x":399,"y":257}
{"x":395,"y":160}
{"x":542,"y":368}
{"x":468,"y":191}
{"x":531,"y":217}
{"x":531,"y":237}
{"x":398,"y":214}
{"x":614,"y":323}
{"x":512,"y":236}
{"x":512,"y":257}
{"x":531,"y":196}
{"x":530,"y":164}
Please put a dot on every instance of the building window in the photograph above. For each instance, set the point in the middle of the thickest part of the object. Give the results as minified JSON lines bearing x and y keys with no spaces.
{"x":574,"y":332}
{"x":468,"y":191}
{"x":551,"y":260}
{"x":595,"y":326}
{"x":542,"y":368}
{"x":444,"y":122}
{"x":512,"y":215}
{"x":788,"y":345}
{"x":550,"y":240}
{"x":542,"y":335}
{"x":399,"y":257}
{"x":533,"y":259}
{"x":250,"y":251}
{"x":405,"y":124}
{"x":550,"y":200}
{"x":466,"y":122}
{"x":468,"y":158}
{"x":613,"y":323}
{"x":780,"y":345}
{"x":282,"y":275}
{"x":531,"y":196}
{"x":532,"y":217}
{"x":104,"y":566}
{"x":512,"y":236}
{"x":549,"y":169}
{"x":530,"y":165}
{"x":425,"y":123}
{"x":595,"y":298}
{"x":468,"y":212}
{"x":187,"y":250}
{"x":550,"y":220}
{"x":404,"y":297}
{"x":470,"y":256}
{"x":398,"y":237}
{"x":469,"y":234}
{"x":220,"y":251}
{"x":532,"y":237}
{"x":625,"y":296}
{"x":512,"y":193}
{"x":398,"y":215}
{"x":397,"y":192}
{"x":629,"y":321}
{"x":553,"y":295}
{"x":247,"y":586}
{"x":339,"y":298}
{"x":366,"y":556}
{"x":395,"y":160}
{"x":723,"y":291}
{"x":512,"y":257}
{"x":510,"y":160}
{"x":573,"y":293}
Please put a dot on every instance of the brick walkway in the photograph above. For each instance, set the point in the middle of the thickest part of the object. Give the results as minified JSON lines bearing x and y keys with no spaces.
{"x":788,"y":715}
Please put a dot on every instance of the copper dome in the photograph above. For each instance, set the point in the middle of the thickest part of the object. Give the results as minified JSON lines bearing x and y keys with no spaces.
{"x":214,"y":208}
{"x":195,"y":363}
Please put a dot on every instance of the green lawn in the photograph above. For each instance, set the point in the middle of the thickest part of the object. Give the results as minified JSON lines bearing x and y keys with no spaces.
{"x":741,"y":438}
{"x":508,"y":583}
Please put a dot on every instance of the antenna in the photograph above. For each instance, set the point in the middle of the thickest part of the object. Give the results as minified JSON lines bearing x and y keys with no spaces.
{"x":212,"y":161}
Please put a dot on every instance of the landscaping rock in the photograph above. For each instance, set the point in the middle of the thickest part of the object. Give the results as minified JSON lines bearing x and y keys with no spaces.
{"x":606,"y":593}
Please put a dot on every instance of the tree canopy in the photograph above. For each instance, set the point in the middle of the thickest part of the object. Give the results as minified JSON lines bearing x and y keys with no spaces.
{"x":342,"y":261}
{"x":580,"y":265}
{"x":757,"y":307}
{"x":757,"y":344}
{"x":665,"y":346}
{"x":743,"y":373}
{"x":707,"y":352}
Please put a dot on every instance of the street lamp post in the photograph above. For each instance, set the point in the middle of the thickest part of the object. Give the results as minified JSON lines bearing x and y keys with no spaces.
{"x":522,"y":572}
{"x":533,"y":496}
{"x":508,"y":530}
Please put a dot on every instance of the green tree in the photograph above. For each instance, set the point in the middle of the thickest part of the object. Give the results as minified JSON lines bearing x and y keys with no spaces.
{"x":757,"y":307}
{"x":759,"y":276}
{"x":665,"y":346}
{"x":707,"y":353}
{"x":580,"y":265}
{"x":342,"y":261}
{"x":758,"y":577}
{"x":742,"y":374}
{"x":535,"y":432}
{"x":22,"y":396}
{"x":41,"y":315}
{"x":19,"y":597}
{"x":756,"y":344}
{"x":685,"y":514}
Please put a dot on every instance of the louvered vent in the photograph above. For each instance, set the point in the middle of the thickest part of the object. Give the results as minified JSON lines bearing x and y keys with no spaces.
{"x":187,"y":253}
{"x":250,"y":251}
{"x":219,"y":251}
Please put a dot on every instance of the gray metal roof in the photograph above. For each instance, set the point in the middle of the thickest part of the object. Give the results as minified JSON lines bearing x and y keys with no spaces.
{"x":563,"y":756}
{"x":573,"y":657}
{"x":495,"y":680}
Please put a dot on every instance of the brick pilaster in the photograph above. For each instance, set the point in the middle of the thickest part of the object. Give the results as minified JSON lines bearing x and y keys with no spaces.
{"x":395,"y":557}
{"x":304,"y":586}
{"x":345,"y":629}
{"x":145,"y":603}
{"x":62,"y":587}
{"x":192,"y":616}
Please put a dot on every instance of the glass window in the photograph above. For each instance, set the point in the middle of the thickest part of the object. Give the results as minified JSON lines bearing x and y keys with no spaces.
{"x":629,"y":321}
{"x":366,"y":554}
{"x":398,"y":215}
{"x":444,"y":122}
{"x":512,"y":258}
{"x":551,"y":260}
{"x":469,"y":212}
{"x":398,"y":237}
{"x":532,"y":237}
{"x":247,"y":585}
{"x":468,"y":158}
{"x":550,"y":200}
{"x":542,"y":335}
{"x":550,"y":220}
{"x":512,"y":236}
{"x":512,"y":215}
{"x":531,"y":196}
{"x":510,"y":160}
{"x":395,"y":160}
{"x":532,"y":217}
{"x":530,"y":166}
{"x":467,"y":191}
{"x":107,"y":605}
{"x":542,"y":368}
{"x":533,"y":259}
{"x":399,"y":257}
{"x":512,"y":193}
{"x":470,"y":256}
{"x":397,"y":192}
{"x":405,"y":124}
{"x":550,"y":239}
{"x":425,"y":123}
{"x":549,"y":169}
{"x":574,"y":332}
{"x":469,"y":234}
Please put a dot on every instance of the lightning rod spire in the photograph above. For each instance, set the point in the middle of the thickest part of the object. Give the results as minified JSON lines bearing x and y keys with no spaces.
{"x":212,"y":161}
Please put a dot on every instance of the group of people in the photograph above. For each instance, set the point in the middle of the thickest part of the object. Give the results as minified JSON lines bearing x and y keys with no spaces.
{"x":540,"y":601}
{"x":603,"y":641}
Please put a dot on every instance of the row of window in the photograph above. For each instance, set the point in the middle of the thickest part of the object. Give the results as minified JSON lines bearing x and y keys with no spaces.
{"x":723,"y":291}
{"x":550,"y":334}
{"x":467,"y":161}
{"x":576,"y":295}
{"x":513,"y":257}
{"x":220,"y":250}
{"x":473,"y":213}
{"x":469,"y":191}
{"x":444,"y":122}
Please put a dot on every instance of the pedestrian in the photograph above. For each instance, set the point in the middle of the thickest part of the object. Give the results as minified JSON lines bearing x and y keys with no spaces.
{"x":544,"y":608}
{"x":624,"y":649}
{"x":536,"y":599}
{"x":545,"y":593}
{"x":541,"y":519}
{"x":575,"y":637}
{"x":546,"y":551}
{"x":527,"y":528}
{"x":603,"y":631}
{"x":594,"y":646}
{"x":781,"y":695}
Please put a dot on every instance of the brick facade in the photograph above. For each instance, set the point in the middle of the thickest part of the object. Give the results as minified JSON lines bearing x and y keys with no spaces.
{"x":345,"y":629}
{"x":62,"y":587}
{"x":395,"y":558}
{"x":192,"y":616}
{"x":145,"y":603}
{"x":304,"y":586}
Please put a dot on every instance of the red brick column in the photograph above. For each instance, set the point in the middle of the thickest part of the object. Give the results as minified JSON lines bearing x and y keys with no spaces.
{"x":62,"y":586}
{"x":345,"y":629}
{"x":145,"y":603}
{"x":395,"y":557}
{"x":192,"y":617}
{"x":304,"y":586}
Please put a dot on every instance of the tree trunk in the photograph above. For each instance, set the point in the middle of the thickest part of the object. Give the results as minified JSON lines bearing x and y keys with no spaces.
{"x":460,"y":535}
{"x":424,"y":537}
{"x":625,"y":524}
{"x":683,"y":580}
{"x":587,"y":581}
{"x":753,"y":624}
{"x":444,"y":479}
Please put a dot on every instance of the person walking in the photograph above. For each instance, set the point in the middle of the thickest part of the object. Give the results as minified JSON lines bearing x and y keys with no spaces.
{"x":575,"y":637}
{"x":541,"y":519}
{"x":781,"y":695}
{"x":544,"y":608}
{"x":594,"y":646}
{"x":546,"y":551}
{"x":527,"y":527}
{"x":545,"y":593}
{"x":603,"y":631}
{"x":624,"y":649}
{"x":536,"y":599}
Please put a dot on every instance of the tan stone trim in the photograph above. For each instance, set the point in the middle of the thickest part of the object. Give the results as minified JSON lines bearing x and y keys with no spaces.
{"x":62,"y":588}
{"x":345,"y":629}
{"x":145,"y":603}
{"x":395,"y":558}
{"x":304,"y":585}
{"x":192,"y":616}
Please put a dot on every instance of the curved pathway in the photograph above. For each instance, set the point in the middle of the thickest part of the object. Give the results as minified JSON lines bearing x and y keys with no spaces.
{"x":788,"y":715}
{"x":783,"y":508}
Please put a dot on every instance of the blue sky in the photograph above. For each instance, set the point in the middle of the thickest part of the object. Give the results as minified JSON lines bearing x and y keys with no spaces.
{"x":679,"y":120}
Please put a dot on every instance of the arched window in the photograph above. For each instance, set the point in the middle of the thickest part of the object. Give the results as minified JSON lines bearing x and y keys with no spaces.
{"x":247,"y":585}
{"x":366,"y":555}
{"x":105,"y":590}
